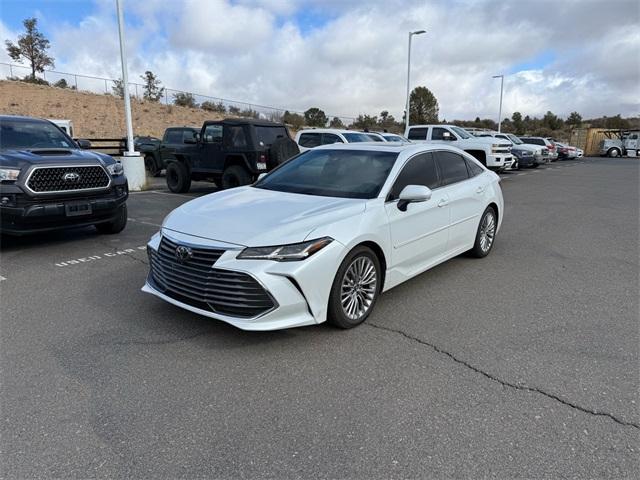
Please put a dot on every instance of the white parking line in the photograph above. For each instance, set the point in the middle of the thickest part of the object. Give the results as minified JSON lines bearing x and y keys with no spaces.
{"x":104,"y":256}
{"x":143,"y":222}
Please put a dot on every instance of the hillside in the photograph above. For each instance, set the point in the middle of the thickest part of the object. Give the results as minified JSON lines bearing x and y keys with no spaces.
{"x":95,"y":115}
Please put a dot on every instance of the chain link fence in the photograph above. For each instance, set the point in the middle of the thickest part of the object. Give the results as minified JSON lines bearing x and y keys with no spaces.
{"x":109,"y":86}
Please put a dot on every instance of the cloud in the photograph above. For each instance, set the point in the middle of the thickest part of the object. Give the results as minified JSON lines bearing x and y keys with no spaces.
{"x":350,"y":57}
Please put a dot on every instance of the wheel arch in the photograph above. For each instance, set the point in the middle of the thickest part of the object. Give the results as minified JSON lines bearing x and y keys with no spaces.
{"x":236,"y":159}
{"x":377,"y":249}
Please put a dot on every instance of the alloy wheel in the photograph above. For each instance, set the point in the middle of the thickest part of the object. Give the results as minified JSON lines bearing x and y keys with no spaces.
{"x":487,"y":231}
{"x":358,"y":289}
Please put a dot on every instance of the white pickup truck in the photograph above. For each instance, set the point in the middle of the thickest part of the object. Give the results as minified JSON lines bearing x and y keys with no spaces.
{"x":493,"y":153}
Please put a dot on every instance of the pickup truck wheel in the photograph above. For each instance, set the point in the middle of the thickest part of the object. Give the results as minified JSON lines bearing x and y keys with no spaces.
{"x":178,"y":179}
{"x":613,"y":153}
{"x":235,"y":176}
{"x":115,"y":226}
{"x":150,"y":165}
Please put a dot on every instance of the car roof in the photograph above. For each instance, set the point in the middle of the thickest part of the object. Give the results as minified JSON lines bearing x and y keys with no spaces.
{"x":23,"y":118}
{"x":395,"y":147}
{"x":330,"y":130}
{"x":246,"y":121}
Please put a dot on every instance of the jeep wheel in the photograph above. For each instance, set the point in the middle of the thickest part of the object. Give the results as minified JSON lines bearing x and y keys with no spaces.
{"x":178,"y":179}
{"x":235,"y":176}
{"x":116,"y":225}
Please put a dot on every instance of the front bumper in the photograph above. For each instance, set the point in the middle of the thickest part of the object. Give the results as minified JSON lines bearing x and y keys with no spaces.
{"x":21,"y":213}
{"x":300,"y":290}
{"x":527,"y":161}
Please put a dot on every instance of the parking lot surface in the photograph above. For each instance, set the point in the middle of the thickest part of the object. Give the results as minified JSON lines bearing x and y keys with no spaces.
{"x":523,"y":364}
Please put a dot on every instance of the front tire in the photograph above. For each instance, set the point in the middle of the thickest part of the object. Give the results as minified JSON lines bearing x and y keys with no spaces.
{"x":151,"y":166}
{"x":178,"y":178}
{"x":116,"y":225}
{"x":613,"y":153}
{"x":355,"y":289}
{"x":485,"y":234}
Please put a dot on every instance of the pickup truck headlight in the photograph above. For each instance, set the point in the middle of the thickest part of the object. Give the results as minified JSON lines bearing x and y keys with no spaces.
{"x":115,"y":169}
{"x":286,"y":253}
{"x":9,"y":174}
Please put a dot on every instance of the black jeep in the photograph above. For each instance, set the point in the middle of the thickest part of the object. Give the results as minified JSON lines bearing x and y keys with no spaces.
{"x":47,"y":182}
{"x":229,"y":152}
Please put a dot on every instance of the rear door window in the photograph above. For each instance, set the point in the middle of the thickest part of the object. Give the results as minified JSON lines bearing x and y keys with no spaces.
{"x":268,"y":135}
{"x":237,"y":137}
{"x":173,"y":136}
{"x":309,"y":140}
{"x":473,"y":167}
{"x":452,"y":166}
{"x":418,"y":133}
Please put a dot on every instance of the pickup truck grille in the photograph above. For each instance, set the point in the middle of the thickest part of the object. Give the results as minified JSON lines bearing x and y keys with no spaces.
{"x":502,"y":148}
{"x":195,"y":282}
{"x":67,"y":179}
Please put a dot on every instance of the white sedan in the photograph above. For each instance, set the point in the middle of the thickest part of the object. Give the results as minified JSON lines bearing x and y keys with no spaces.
{"x":320,"y":237}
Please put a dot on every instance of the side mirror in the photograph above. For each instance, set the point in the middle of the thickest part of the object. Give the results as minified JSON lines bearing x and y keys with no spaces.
{"x":84,"y":144}
{"x":448,"y":137}
{"x":413,"y":194}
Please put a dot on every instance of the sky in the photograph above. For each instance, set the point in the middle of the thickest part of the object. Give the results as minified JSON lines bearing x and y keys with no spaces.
{"x":349,"y":57}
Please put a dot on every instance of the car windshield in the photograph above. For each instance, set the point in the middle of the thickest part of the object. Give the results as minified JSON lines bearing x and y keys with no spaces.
{"x":332,"y":173}
{"x":461,"y":131}
{"x":268,"y":135}
{"x":25,"y":134}
{"x":515,"y":140}
{"x":355,"y":137}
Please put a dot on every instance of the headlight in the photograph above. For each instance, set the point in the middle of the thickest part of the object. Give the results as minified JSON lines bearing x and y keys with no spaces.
{"x":115,"y":169}
{"x":9,"y":174}
{"x":286,"y":253}
{"x":526,"y":153}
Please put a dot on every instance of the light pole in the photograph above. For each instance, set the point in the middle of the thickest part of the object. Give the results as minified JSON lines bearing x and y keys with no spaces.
{"x":132,"y":164}
{"x":501,"y":77}
{"x":417,"y":32}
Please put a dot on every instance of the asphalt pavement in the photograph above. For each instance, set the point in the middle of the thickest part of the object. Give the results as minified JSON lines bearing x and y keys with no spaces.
{"x":522,"y":364}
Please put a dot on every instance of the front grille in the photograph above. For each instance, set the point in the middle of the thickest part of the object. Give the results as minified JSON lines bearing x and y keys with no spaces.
{"x":196,"y":283}
{"x":65,"y":179}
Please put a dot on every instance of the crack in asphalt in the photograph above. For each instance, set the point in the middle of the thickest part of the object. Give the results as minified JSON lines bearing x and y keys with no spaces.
{"x":505,"y":383}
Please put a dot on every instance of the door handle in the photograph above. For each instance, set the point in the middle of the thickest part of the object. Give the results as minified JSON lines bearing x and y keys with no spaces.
{"x":443,"y":202}
{"x":479,"y":189}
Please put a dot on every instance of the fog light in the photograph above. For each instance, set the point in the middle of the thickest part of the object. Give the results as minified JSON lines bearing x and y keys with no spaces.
{"x":8,"y":201}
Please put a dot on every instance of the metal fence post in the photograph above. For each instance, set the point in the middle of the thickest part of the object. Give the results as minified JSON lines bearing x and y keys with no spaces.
{"x":105,"y":86}
{"x":138,"y":98}
{"x":10,"y":71}
{"x":76,"y":77}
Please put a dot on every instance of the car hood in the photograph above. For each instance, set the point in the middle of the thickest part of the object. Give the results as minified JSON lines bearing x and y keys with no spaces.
{"x":250,"y":216}
{"x":41,"y":156}
{"x":528,"y":147}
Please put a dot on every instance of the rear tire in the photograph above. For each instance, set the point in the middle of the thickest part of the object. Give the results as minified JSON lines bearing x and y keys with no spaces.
{"x":355,"y":289}
{"x":178,"y":178}
{"x":235,"y":176}
{"x":150,"y":164}
{"x":486,"y":233}
{"x":115,"y":226}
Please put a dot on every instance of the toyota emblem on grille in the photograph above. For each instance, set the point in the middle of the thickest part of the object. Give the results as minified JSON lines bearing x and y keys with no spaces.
{"x":183,"y":253}
{"x":71,"y":177}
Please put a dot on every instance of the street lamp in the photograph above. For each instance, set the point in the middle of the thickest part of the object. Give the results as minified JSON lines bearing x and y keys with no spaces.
{"x":417,"y":32}
{"x":501,"y":77}
{"x":131,"y":162}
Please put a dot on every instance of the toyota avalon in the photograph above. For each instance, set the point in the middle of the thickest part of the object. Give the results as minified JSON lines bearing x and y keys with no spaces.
{"x":320,"y":237}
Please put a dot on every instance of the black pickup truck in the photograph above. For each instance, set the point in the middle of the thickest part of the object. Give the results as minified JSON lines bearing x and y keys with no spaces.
{"x":47,"y":182}
{"x":230,"y":152}
{"x":156,"y":151}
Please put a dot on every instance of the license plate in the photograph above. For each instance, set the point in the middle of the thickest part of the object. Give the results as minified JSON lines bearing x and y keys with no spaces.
{"x":74,"y":209}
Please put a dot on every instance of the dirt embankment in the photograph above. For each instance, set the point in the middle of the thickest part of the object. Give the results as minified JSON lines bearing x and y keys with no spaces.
{"x":94,"y":115}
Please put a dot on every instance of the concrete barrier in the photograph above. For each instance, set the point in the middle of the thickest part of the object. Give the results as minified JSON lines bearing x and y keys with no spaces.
{"x":134,"y":170}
